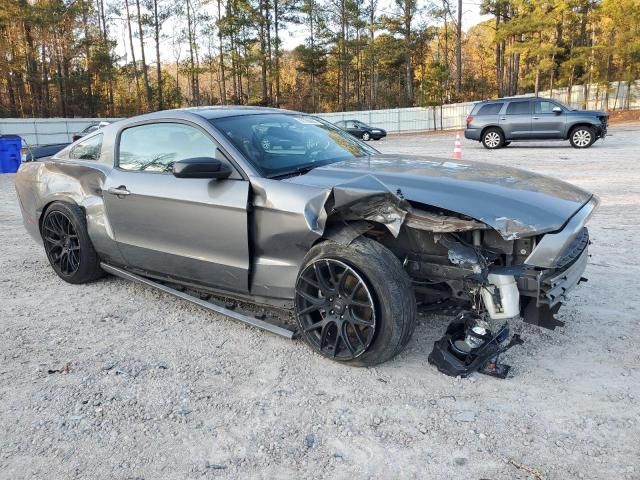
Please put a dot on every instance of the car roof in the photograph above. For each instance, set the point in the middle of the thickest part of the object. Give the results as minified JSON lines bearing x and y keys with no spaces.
{"x":220,"y":111}
{"x":529,"y":97}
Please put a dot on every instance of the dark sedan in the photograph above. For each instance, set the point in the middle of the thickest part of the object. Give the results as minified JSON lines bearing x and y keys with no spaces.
{"x":361,"y":130}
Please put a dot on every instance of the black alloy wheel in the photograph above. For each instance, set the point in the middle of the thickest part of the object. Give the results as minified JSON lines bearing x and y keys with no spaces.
{"x":61,"y":243}
{"x":335,"y":308}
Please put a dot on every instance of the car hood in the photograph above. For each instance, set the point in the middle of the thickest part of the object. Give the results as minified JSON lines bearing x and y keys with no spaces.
{"x":595,"y":113}
{"x":515,"y":202}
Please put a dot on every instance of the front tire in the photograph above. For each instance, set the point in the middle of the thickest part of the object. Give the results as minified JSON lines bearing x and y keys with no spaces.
{"x":67,"y":244}
{"x":493,"y":138}
{"x":355,"y":304}
{"x":582,"y":137}
{"x":366,"y":136}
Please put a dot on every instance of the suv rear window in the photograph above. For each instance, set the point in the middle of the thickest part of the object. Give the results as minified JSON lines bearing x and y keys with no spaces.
{"x":490,"y":109}
{"x":518,"y":108}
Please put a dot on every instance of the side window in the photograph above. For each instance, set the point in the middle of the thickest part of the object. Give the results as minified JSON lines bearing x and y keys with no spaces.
{"x":518,"y":108}
{"x":88,"y":149}
{"x":543,"y":107}
{"x":351,"y":124}
{"x":156,"y":147}
{"x":490,"y":109}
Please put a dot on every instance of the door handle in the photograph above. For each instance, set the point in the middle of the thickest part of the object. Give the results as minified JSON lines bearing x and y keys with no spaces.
{"x":121,"y":190}
{"x":503,"y":118}
{"x":536,"y":118}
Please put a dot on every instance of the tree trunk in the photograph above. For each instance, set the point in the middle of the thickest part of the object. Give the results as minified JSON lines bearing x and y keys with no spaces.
{"x":223,"y":95}
{"x":133,"y":56}
{"x":145,"y":76}
{"x":459,"y":50}
{"x":276,"y":22}
{"x":156,"y":22}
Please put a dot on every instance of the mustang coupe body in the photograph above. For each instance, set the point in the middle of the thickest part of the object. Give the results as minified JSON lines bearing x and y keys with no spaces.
{"x":313,"y":220}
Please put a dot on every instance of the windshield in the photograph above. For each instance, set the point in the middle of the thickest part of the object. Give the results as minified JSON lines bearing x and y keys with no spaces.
{"x":279,"y":144}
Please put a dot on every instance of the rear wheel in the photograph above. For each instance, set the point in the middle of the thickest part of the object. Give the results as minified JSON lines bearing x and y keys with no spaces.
{"x":67,"y":244}
{"x":355,"y":303}
{"x":366,"y":136}
{"x":493,"y":138}
{"x":582,"y":137}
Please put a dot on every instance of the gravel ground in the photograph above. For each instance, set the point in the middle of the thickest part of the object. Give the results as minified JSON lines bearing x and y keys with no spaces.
{"x":157,"y":388}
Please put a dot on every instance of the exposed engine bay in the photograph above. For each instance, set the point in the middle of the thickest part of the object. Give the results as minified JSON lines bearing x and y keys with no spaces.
{"x":454,"y":258}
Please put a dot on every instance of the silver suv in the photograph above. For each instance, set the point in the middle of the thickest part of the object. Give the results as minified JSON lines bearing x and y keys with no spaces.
{"x":497,"y":123}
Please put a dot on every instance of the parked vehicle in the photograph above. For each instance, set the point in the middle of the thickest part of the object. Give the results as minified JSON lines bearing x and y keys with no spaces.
{"x":38,"y":152}
{"x":348,"y":239}
{"x":90,"y":129}
{"x":361,"y":130}
{"x":497,"y":123}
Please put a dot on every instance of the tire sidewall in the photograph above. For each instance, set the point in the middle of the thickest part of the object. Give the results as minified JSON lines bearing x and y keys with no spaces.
{"x":366,"y":136}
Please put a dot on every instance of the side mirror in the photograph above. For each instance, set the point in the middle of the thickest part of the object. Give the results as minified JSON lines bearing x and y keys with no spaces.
{"x":556,"y":110}
{"x":201,"y":167}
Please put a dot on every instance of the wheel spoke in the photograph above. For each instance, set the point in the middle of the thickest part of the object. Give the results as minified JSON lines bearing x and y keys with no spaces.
{"x":358,"y":335}
{"x":344,"y":336}
{"x":310,"y":282}
{"x":311,"y":308}
{"x":53,"y":241}
{"x":323,"y":335}
{"x":334,"y":278}
{"x":342,"y":283}
{"x":310,"y":298}
{"x":315,"y":326}
{"x":356,"y":320}
{"x":324,"y":285}
{"x":360,"y":303}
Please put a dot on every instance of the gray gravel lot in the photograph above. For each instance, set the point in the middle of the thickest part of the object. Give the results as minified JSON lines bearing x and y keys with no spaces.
{"x":157,"y":388}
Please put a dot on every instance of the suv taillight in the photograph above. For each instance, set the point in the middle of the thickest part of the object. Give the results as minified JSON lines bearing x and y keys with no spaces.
{"x":469,"y":119}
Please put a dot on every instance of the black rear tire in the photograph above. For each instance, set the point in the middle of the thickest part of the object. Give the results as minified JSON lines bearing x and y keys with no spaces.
{"x":582,"y":137}
{"x":366,"y":136}
{"x":391,"y":291}
{"x":493,"y":138}
{"x":67,"y":244}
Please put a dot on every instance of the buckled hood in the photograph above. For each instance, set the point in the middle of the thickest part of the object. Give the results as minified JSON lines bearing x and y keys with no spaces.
{"x":514,"y":202}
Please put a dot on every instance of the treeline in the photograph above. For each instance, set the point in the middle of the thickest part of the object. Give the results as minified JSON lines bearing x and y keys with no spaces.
{"x":123,"y":57}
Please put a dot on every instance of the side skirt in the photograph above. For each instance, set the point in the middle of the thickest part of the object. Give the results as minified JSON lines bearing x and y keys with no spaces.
{"x":254,"y":322}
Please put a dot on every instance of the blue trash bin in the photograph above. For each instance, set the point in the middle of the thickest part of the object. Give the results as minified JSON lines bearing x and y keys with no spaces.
{"x":10,"y":146}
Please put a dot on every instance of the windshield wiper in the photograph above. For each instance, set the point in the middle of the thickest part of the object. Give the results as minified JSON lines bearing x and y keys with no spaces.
{"x":296,"y":171}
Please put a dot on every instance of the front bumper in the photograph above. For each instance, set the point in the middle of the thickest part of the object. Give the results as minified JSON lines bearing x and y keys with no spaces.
{"x":550,"y":285}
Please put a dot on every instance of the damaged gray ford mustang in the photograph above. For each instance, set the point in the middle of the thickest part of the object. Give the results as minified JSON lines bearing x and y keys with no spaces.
{"x":278,"y":208}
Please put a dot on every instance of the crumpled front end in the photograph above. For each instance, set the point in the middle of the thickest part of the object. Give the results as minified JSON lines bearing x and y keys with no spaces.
{"x":451,"y":256}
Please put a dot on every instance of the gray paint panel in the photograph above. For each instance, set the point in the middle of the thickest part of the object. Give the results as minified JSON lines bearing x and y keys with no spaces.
{"x":514,"y":202}
{"x":192,"y":228}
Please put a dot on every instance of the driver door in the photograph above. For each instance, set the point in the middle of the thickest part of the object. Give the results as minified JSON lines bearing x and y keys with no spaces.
{"x":189,"y":229}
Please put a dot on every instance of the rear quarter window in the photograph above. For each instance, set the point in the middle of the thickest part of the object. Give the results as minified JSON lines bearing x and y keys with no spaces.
{"x":88,"y":149}
{"x":518,"y":108}
{"x":490,"y":109}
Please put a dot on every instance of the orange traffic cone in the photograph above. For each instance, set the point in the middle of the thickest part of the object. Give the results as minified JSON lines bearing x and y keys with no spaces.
{"x":457,"y":148}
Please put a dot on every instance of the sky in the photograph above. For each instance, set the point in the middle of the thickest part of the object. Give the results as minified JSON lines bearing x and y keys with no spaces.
{"x":470,"y":17}
{"x":292,"y":36}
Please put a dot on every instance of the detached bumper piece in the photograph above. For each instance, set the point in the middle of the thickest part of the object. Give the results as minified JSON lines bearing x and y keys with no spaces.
{"x":462,"y":350}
